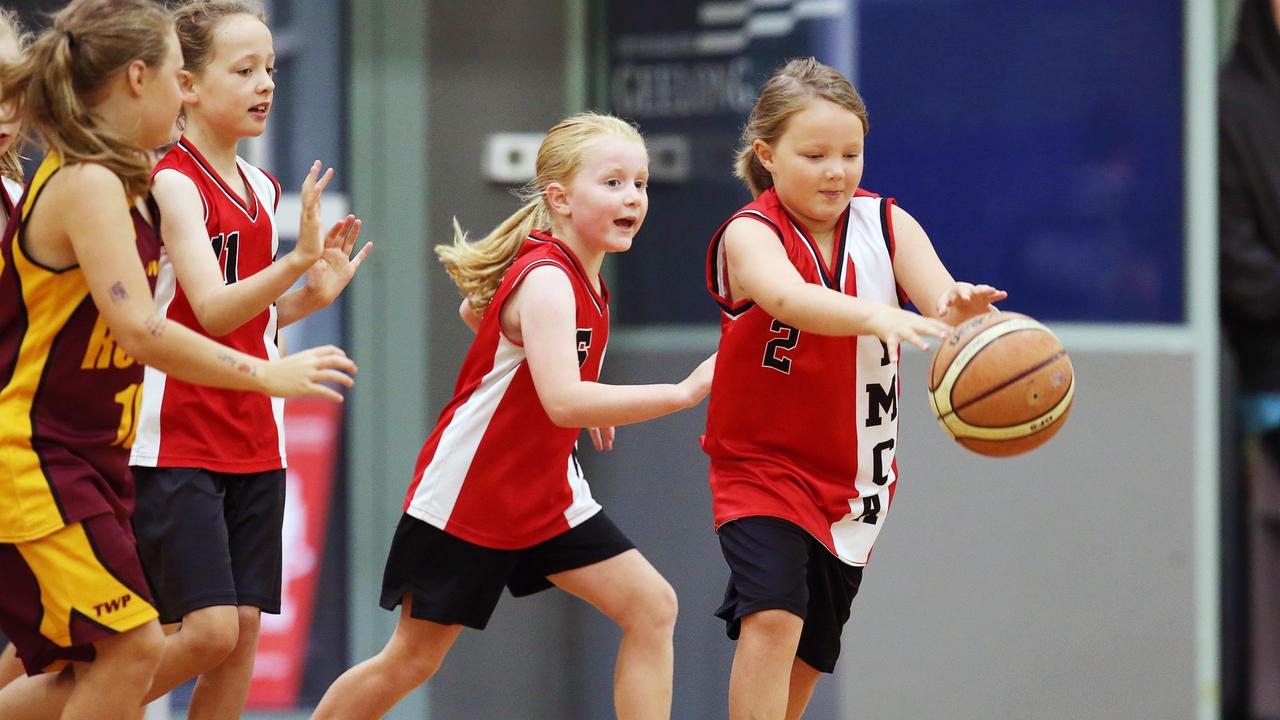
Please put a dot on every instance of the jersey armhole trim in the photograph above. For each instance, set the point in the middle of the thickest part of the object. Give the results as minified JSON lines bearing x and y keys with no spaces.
{"x":731,"y":309}
{"x":20,"y":240}
{"x":886,"y":228}
{"x":515,"y":284}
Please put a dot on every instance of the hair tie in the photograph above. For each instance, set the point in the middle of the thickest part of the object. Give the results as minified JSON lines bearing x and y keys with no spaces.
{"x":71,"y":40}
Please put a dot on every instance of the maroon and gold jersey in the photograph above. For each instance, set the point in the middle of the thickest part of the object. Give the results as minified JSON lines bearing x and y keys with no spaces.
{"x":70,"y":395}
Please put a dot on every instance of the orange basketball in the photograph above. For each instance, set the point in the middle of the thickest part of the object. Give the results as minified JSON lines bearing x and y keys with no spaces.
{"x":1001,"y":384}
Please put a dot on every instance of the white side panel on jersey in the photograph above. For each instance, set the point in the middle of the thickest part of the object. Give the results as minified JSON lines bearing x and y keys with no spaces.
{"x":266,"y":192}
{"x":146,"y":444}
{"x":13,"y":190}
{"x":277,"y":403}
{"x":583,"y":505}
{"x":856,"y":533}
{"x":441,"y":482}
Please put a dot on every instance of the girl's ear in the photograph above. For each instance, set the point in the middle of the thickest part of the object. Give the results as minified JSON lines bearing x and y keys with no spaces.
{"x":557,"y":198}
{"x":187,"y":82}
{"x":135,"y":76}
{"x":764,"y":153}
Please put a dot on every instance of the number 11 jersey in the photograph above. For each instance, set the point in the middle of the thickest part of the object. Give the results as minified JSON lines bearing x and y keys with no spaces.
{"x":187,"y":425}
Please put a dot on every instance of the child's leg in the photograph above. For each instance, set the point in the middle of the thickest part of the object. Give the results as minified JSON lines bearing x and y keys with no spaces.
{"x":411,"y":656}
{"x":628,"y":590}
{"x":804,"y":678}
{"x":222,"y":691}
{"x":762,"y":665}
{"x":112,"y":686}
{"x":203,"y":640}
{"x":10,"y":665}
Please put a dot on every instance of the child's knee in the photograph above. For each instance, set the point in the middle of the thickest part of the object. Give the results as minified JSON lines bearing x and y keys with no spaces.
{"x":656,"y":608}
{"x":772,"y":624}
{"x":211,"y":634}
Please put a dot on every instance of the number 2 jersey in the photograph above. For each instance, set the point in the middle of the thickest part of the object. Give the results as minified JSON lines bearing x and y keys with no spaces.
{"x":188,"y":425}
{"x":496,"y":471}
{"x":70,"y":394}
{"x":801,"y":426}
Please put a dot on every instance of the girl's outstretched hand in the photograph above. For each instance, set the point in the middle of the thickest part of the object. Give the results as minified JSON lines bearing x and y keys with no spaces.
{"x":698,"y":384}
{"x":965,"y":300}
{"x":602,"y":437}
{"x":330,"y":275}
{"x":894,"y":326}
{"x":303,"y":372}
{"x":311,"y":243}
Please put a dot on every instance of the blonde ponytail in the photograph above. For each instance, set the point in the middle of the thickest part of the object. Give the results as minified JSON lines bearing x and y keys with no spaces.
{"x":477,"y":267}
{"x":89,"y":42}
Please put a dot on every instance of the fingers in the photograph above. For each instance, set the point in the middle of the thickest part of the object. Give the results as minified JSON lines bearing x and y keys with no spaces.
{"x":333,"y":376}
{"x":324,"y":392}
{"x":351,"y":234}
{"x":609,"y":433}
{"x":329,"y":357}
{"x":597,"y":440}
{"x":323,"y":182}
{"x":310,"y":180}
{"x":359,"y":258}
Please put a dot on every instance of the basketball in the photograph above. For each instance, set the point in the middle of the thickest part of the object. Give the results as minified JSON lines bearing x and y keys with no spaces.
{"x":1001,"y":384}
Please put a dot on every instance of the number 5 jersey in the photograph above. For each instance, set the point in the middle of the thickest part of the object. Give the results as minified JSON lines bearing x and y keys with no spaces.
{"x":800,"y":426}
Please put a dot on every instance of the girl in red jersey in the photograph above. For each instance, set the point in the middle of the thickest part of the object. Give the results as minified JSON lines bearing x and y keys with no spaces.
{"x":802,"y":422}
{"x":498,"y":498}
{"x":209,"y":463}
{"x":76,"y":320}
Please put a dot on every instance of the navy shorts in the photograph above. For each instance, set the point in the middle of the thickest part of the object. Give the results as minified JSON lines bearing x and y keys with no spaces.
{"x":208,"y":538}
{"x":776,"y":565}
{"x":454,"y":582}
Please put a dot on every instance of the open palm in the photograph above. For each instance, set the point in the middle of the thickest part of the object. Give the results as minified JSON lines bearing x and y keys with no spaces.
{"x":330,"y":275}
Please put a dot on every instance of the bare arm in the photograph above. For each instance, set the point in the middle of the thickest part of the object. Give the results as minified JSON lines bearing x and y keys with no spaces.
{"x":761,"y":272}
{"x":219,"y":306}
{"x":926,"y":280}
{"x":469,"y":315}
{"x":89,"y":211}
{"x":541,"y":313}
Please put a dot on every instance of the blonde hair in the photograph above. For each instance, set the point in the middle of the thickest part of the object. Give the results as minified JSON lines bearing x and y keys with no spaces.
{"x":477,"y":267}
{"x":789,"y":91}
{"x":11,"y":29}
{"x":90,"y":41}
{"x":197,"y":20}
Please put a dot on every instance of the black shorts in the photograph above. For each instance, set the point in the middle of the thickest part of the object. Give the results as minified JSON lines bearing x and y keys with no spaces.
{"x":776,"y":565}
{"x":454,"y":582}
{"x":208,"y":538}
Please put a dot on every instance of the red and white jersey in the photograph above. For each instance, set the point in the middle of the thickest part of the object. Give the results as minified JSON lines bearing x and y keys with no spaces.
{"x":10,"y":196}
{"x":181,"y":424}
{"x":803,"y":426}
{"x":496,"y":471}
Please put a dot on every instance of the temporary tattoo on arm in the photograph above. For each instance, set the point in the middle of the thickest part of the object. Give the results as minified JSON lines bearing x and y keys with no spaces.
{"x":240,"y":365}
{"x":118,"y":293}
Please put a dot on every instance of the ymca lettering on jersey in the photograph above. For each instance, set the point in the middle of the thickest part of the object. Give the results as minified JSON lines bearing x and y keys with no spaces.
{"x":68,"y":406}
{"x":802,"y":426}
{"x":186,"y":425}
{"x":495,"y":470}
